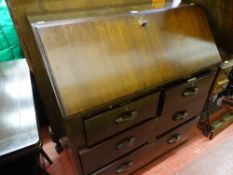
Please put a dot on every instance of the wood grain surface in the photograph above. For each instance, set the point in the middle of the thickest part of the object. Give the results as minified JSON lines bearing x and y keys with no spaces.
{"x":96,"y":60}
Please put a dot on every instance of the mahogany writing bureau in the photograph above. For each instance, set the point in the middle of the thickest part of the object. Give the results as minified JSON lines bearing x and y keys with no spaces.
{"x":130,"y":82}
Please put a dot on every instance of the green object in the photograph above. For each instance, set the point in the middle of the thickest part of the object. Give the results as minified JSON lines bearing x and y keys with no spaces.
{"x":9,"y":44}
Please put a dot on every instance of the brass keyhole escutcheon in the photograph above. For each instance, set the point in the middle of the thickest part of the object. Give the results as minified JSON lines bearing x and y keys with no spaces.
{"x":142,"y":22}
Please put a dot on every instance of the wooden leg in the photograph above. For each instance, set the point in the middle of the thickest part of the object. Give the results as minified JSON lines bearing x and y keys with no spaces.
{"x":55,"y":139}
{"x":43,"y":153}
{"x":41,"y":171}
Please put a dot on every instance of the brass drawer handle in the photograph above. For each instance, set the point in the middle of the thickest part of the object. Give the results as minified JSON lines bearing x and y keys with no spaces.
{"x":124,"y":167}
{"x":223,"y":82}
{"x":126,"y":143}
{"x":174,"y":139}
{"x":181,"y":115}
{"x":129,"y":116}
{"x":190,"y":92}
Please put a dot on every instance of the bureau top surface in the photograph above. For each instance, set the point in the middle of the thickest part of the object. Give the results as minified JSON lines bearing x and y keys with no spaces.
{"x":95,"y":59}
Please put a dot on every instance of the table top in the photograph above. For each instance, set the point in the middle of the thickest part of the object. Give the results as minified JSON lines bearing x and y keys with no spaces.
{"x":18,"y":125}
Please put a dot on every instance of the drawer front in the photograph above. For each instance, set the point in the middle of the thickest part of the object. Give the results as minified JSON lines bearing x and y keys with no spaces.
{"x":187,"y":92}
{"x":145,"y":154}
{"x":109,"y":123}
{"x":117,"y":146}
{"x":180,"y":115}
{"x":175,"y":137}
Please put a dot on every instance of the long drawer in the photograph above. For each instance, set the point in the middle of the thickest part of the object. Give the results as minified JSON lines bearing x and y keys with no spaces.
{"x":100,"y":155}
{"x":183,"y":113}
{"x":111,"y":122}
{"x":184,"y":93}
{"x":149,"y":151}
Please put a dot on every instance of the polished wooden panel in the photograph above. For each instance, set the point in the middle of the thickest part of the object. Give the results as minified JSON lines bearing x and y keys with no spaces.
{"x":102,"y":56}
{"x":169,"y":120}
{"x":18,"y":126}
{"x":175,"y":95}
{"x":149,"y":152}
{"x":117,"y":146}
{"x":220,"y":15}
{"x":106,"y":124}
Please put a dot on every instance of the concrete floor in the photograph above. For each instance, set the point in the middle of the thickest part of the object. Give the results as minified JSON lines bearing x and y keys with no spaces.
{"x":199,"y":156}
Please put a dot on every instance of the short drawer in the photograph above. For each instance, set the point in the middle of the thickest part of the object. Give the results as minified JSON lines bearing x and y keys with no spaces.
{"x":169,"y":120}
{"x":100,"y":155}
{"x":185,"y":93}
{"x":150,"y":151}
{"x":111,"y":122}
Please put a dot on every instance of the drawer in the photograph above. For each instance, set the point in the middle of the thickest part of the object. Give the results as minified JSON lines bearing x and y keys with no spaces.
{"x":183,"y":113}
{"x":117,"y":146}
{"x":111,"y":122}
{"x":150,"y":151}
{"x":185,"y":93}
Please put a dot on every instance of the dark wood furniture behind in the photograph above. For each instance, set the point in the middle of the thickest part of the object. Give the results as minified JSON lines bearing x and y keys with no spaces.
{"x":129,"y":81}
{"x":220,"y":15}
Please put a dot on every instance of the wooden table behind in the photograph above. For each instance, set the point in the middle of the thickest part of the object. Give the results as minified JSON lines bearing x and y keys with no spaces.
{"x":18,"y":126}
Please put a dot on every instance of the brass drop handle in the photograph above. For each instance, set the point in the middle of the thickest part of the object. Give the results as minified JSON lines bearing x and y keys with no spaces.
{"x":190,"y":92}
{"x":181,"y":115}
{"x":223,"y":82}
{"x":126,"y":117}
{"x":174,"y":139}
{"x":124,"y":167}
{"x":126,"y":143}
